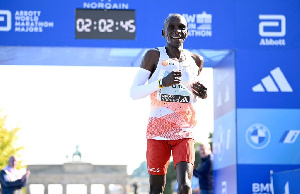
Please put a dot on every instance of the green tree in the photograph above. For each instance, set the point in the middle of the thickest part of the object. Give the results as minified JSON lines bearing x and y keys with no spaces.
{"x":171,"y":177}
{"x":8,"y":139}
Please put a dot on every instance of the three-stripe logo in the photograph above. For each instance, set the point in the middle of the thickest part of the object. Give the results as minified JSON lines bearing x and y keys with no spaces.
{"x":276,"y":82}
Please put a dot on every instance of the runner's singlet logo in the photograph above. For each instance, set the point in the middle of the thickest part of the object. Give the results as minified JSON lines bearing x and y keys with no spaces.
{"x":165,"y":62}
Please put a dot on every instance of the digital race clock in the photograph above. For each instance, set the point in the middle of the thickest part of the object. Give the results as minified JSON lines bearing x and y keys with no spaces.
{"x":105,"y":24}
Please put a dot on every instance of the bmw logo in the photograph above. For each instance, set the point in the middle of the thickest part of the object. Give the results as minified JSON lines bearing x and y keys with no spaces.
{"x":258,"y":136}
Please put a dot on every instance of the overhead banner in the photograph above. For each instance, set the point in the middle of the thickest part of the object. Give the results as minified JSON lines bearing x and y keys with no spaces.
{"x":113,"y":23}
{"x":261,"y":25}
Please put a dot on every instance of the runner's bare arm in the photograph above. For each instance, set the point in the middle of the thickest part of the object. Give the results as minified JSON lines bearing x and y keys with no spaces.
{"x":198,"y":88}
{"x":150,"y":60}
{"x":199,"y":61}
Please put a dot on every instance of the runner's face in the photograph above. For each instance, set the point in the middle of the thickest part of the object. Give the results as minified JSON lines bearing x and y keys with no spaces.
{"x":175,"y":31}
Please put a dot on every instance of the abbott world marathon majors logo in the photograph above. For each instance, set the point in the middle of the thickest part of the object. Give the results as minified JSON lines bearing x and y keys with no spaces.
{"x":5,"y":20}
{"x":272,"y":29}
{"x":258,"y":136}
{"x":25,"y":21}
{"x":199,"y":25}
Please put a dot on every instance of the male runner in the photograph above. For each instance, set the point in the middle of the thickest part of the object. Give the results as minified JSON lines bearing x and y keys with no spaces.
{"x":172,"y":74}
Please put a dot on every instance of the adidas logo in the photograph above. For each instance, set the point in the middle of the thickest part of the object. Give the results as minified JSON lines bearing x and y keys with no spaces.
{"x":273,"y":83}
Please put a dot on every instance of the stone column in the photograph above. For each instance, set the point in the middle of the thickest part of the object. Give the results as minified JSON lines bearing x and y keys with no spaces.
{"x":88,"y":186}
{"x":124,"y":188}
{"x":46,"y":188}
{"x":64,"y":188}
{"x":28,"y":189}
{"x":106,"y":186}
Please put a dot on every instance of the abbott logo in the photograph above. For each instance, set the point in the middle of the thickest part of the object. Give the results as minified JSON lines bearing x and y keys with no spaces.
{"x":272,"y":26}
{"x":269,"y":83}
{"x":274,"y":22}
{"x":5,"y":20}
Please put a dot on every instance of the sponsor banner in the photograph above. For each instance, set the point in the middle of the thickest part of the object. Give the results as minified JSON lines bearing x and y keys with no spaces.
{"x":40,"y":23}
{"x":224,"y":86}
{"x":267,"y":24}
{"x":268,"y":136}
{"x":286,"y":182}
{"x":224,"y":140}
{"x":266,"y":79}
{"x":256,"y":179}
{"x":209,"y":26}
{"x":225,"y":180}
{"x":51,"y":23}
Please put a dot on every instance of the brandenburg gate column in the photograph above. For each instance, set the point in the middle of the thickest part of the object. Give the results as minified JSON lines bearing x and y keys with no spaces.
{"x":46,"y":188}
{"x":64,"y":188}
{"x":124,"y":188}
{"x":106,"y":186}
{"x":28,"y":189}
{"x":88,"y":186}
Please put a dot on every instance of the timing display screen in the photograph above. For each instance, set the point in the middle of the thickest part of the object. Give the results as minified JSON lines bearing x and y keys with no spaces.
{"x":105,"y":24}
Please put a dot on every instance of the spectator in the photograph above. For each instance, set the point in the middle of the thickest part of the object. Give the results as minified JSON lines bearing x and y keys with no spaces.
{"x":11,"y":179}
{"x":205,"y":171}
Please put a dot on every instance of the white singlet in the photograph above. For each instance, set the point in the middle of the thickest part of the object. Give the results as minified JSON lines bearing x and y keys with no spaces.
{"x":172,"y":114}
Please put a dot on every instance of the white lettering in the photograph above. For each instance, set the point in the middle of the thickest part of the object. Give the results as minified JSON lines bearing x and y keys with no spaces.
{"x":189,"y":18}
{"x":28,"y":29}
{"x":272,"y":42}
{"x":27,"y":13}
{"x":265,"y":187}
{"x":191,"y":26}
{"x":96,"y":5}
{"x":199,"y":25}
{"x":261,"y":188}
{"x":202,"y":33}
{"x":255,"y":187}
{"x":28,"y":21}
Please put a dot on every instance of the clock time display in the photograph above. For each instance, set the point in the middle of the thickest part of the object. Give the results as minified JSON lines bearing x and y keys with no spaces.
{"x":105,"y":24}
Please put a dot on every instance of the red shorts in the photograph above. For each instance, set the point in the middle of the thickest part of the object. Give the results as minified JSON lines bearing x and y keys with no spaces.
{"x":159,"y":153}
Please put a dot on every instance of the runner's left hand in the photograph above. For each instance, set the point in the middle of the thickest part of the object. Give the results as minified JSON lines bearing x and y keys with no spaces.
{"x":199,"y":90}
